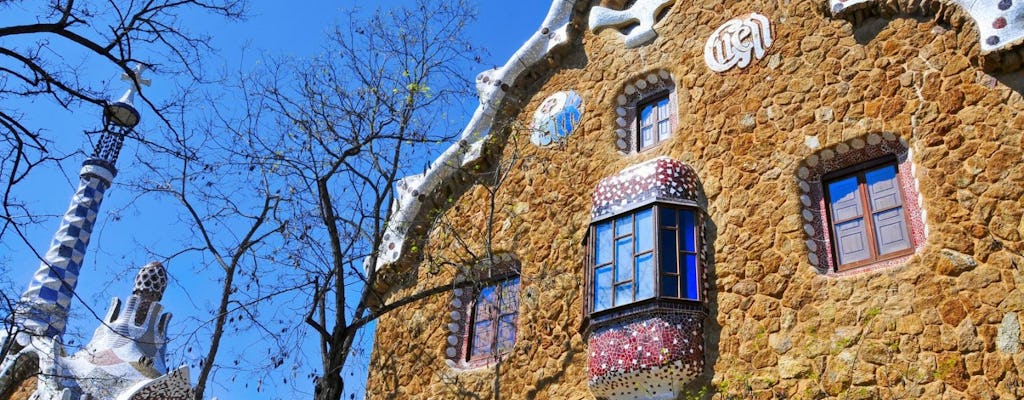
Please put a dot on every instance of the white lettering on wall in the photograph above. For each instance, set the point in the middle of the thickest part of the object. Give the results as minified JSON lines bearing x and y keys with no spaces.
{"x":737,"y":42}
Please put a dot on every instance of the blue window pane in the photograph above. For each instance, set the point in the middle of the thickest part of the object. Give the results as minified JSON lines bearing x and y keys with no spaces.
{"x":483,"y":337}
{"x":686,"y":228}
{"x":646,"y":136}
{"x":645,"y":276}
{"x":664,"y":131}
{"x":670,"y":286}
{"x":624,"y":225}
{"x":668,"y":251}
{"x":647,"y":115}
{"x":883,"y":174}
{"x":604,"y":243}
{"x":603,"y":288}
{"x":509,"y":296}
{"x":690,"y":273}
{"x":485,"y":303}
{"x":623,"y":294}
{"x":883,"y":188}
{"x":668,"y":217}
{"x":506,"y":332}
{"x":624,"y":259}
{"x":644,"y":231}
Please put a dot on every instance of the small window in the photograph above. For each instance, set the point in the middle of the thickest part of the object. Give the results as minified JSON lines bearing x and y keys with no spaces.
{"x":646,"y":254}
{"x":484,"y":313}
{"x":867,"y":219}
{"x":646,"y":112}
{"x":654,"y":122}
{"x":493,"y":320}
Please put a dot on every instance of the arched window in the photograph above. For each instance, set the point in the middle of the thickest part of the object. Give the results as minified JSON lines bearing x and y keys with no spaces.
{"x":493,"y":316}
{"x":861,"y":206}
{"x":646,"y":112}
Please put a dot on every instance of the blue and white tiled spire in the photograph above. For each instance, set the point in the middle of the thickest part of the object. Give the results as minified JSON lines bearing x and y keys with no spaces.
{"x":45,"y":304}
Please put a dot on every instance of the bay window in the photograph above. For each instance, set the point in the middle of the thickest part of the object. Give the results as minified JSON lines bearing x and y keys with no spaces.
{"x":649,"y":253}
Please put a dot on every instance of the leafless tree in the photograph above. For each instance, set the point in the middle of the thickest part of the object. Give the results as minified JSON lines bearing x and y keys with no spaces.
{"x":350,"y":127}
{"x":43,"y":57}
{"x":291,"y":193}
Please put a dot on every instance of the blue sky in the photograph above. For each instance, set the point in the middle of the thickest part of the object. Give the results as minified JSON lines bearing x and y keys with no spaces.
{"x":126,"y":225}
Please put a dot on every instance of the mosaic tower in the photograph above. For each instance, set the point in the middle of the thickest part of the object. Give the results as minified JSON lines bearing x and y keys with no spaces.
{"x":45,"y":304}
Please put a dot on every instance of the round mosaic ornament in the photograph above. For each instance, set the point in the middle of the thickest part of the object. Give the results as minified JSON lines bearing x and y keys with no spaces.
{"x":556,"y":118}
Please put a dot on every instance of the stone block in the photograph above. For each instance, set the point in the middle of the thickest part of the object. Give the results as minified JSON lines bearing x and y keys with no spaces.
{"x":910,"y":324}
{"x":952,"y":311}
{"x":967,"y":337}
{"x":954,"y":263}
{"x":781,"y":343}
{"x":981,"y":389}
{"x":875,"y":352}
{"x":836,"y":378}
{"x":1008,"y":337}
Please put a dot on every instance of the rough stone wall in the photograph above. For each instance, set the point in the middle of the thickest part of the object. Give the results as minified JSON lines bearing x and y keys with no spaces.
{"x":23,"y":390}
{"x":943,"y":324}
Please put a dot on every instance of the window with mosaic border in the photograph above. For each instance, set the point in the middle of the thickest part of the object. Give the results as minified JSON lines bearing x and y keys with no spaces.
{"x":648,"y":241}
{"x":653,"y":96}
{"x":843,"y":164}
{"x":646,"y":246}
{"x":484,"y":313}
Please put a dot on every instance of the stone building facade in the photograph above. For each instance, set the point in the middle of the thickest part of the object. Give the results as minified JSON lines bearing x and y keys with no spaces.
{"x":774,"y":199}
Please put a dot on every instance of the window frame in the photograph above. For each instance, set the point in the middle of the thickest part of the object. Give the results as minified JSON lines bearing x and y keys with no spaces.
{"x":653,"y":100}
{"x":859,"y":171}
{"x":635,"y":93}
{"x":470,"y":340}
{"x":655,"y":207}
{"x":471,"y":280}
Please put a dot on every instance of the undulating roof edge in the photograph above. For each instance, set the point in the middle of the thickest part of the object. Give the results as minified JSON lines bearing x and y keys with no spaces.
{"x":492,"y":86}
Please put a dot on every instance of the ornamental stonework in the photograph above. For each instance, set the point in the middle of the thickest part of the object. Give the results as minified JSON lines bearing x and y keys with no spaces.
{"x":833,"y":89}
{"x":738,"y":42}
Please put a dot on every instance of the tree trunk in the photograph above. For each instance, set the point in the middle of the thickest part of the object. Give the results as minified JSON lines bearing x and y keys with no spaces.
{"x":330,"y":386}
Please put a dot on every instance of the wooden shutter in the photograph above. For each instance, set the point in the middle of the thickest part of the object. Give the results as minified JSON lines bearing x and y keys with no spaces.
{"x":848,"y":221}
{"x":891,"y":233}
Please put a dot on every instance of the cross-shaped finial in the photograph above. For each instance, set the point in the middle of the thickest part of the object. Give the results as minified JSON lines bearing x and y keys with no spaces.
{"x":135,"y":77}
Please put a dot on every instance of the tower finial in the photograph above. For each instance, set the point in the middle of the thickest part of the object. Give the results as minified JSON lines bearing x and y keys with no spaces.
{"x":122,"y":113}
{"x":46,"y":302}
{"x":151,"y":282}
{"x":135,"y":77}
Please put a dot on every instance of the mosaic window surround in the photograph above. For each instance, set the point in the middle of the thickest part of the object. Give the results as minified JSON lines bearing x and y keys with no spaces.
{"x":854,"y":152}
{"x":648,"y":242}
{"x":483,"y":318}
{"x":648,"y":90}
